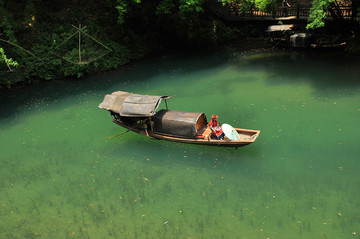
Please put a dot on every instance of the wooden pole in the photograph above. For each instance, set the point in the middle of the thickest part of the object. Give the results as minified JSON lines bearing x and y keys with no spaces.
{"x":20,"y":48}
{"x":151,"y":126}
{"x":166,"y":105}
{"x":8,"y":66}
{"x":298,"y":11}
{"x":80,"y":43}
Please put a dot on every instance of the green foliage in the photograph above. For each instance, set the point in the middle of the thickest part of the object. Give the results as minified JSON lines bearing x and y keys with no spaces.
{"x":165,"y":7}
{"x":318,"y":14}
{"x":9,"y":61}
{"x":224,"y":33}
{"x":5,"y":25}
{"x":246,"y":5}
{"x":119,"y":56}
{"x":190,"y":6}
{"x":29,"y":12}
{"x":267,"y":5}
{"x":122,"y":7}
{"x":183,"y":8}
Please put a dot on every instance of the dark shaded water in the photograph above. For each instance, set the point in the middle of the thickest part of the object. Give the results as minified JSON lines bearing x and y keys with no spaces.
{"x":61,"y":178}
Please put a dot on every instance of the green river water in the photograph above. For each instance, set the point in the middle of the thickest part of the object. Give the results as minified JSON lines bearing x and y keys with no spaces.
{"x":60,"y":177}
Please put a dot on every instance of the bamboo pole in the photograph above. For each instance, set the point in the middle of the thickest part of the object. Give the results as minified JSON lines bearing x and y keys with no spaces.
{"x":79,"y":43}
{"x":21,"y":48}
{"x":166,"y":105}
{"x":151,"y":126}
{"x":8,"y":66}
{"x":79,"y":32}
{"x":96,"y":40}
{"x":66,"y":40}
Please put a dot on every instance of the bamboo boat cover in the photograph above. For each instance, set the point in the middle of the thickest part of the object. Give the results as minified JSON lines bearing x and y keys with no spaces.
{"x":280,"y":28}
{"x":179,"y":124}
{"x":131,"y":105}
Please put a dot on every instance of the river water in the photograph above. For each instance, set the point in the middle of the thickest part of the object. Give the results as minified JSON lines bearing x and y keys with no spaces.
{"x":61,"y":177}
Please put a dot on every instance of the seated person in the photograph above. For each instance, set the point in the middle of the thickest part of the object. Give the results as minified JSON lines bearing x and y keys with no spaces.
{"x":216,"y":128}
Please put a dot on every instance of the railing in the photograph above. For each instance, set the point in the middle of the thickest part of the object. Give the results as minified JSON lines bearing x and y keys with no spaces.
{"x":298,"y":12}
{"x":345,"y":12}
{"x":235,"y":12}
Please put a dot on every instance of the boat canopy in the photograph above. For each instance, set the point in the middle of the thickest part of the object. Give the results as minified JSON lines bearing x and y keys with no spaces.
{"x":132,"y":105}
{"x":301,"y":39}
{"x":280,"y":28}
{"x":178,"y":123}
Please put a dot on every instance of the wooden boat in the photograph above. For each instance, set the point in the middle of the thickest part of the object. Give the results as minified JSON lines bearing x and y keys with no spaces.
{"x":138,"y":113}
{"x":283,"y":36}
{"x":285,"y":42}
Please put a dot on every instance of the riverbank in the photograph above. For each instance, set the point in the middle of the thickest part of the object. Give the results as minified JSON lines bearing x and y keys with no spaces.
{"x":16,"y":80}
{"x":244,"y":45}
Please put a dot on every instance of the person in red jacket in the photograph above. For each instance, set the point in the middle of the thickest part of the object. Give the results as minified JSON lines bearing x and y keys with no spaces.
{"x":216,"y":128}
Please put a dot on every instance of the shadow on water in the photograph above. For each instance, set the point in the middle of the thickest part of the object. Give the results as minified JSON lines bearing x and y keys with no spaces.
{"x":159,"y":153}
{"x":324,"y":71}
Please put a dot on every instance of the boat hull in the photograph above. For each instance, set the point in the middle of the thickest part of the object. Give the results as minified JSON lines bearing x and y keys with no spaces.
{"x":283,"y":43}
{"x":247,"y":136}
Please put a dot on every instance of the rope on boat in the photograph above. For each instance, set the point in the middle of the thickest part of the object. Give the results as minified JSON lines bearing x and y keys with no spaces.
{"x":127,"y":130}
{"x":276,"y":44}
{"x":118,"y":134}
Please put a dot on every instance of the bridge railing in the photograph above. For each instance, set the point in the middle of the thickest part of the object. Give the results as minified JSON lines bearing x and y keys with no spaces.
{"x":235,"y":12}
{"x":346,"y":12}
{"x":298,"y":11}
